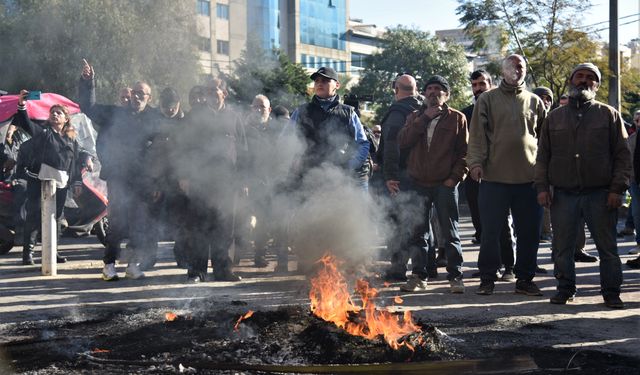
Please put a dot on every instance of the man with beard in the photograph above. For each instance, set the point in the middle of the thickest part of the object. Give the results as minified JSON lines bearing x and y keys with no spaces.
{"x":436,"y":139}
{"x":502,"y":152}
{"x":481,"y":82}
{"x":122,"y":145}
{"x":583,"y":168}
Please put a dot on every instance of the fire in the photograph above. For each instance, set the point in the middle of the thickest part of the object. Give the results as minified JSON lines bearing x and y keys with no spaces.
{"x":96,"y":350}
{"x":241,"y":318}
{"x":398,"y":300}
{"x":170,"y":317}
{"x":331,"y":301}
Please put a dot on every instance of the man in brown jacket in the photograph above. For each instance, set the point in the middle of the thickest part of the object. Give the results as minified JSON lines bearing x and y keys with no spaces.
{"x":436,"y":138}
{"x":582,"y":169}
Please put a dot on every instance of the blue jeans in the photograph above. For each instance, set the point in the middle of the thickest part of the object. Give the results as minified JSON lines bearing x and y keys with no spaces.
{"x":634,"y":189}
{"x":567,"y":211}
{"x":495,"y":199}
{"x":445,"y":200}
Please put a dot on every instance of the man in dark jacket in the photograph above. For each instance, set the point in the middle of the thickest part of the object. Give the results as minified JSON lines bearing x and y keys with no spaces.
{"x":436,"y":137}
{"x":583,"y":155}
{"x":394,"y":165}
{"x":125,"y":136}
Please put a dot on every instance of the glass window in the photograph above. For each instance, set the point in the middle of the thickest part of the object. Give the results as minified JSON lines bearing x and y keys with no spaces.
{"x":204,"y":7}
{"x":204,"y":44}
{"x":358,"y":60}
{"x":222,"y":11}
{"x":223,"y":47}
{"x":323,"y":23}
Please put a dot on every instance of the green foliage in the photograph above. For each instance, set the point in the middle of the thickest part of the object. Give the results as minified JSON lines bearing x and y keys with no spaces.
{"x":126,"y":41}
{"x":270,"y":73}
{"x":418,"y":53}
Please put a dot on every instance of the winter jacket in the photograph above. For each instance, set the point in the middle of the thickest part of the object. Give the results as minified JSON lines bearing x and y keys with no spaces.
{"x":583,"y":146}
{"x":503,"y":134}
{"x":430,"y":165}
{"x":334,"y":134}
{"x":394,"y":161}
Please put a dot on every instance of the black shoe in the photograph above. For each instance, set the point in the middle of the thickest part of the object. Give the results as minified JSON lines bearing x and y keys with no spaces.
{"x":528,"y":288}
{"x":475,"y":274}
{"x":540,"y":270}
{"x":225,"y":275}
{"x":486,"y":288}
{"x":613,"y":302}
{"x":27,"y":259}
{"x":561,"y":298}
{"x":545,"y":238}
{"x":195,"y":279}
{"x":394,"y":277}
{"x":508,"y":276}
{"x":432,"y":274}
{"x":583,"y":256}
{"x":475,"y":241}
{"x":281,"y":268}
{"x":634,"y":263}
{"x":61,"y":259}
{"x":260,"y":262}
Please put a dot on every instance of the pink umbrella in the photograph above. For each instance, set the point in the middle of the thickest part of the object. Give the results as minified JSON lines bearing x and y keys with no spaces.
{"x":37,"y":109}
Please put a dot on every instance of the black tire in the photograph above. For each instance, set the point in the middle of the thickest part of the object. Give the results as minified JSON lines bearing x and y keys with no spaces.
{"x":6,"y":241}
{"x":101,"y":228}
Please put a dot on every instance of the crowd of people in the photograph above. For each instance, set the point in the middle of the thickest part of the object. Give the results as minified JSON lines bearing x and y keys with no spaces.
{"x":531,"y":173}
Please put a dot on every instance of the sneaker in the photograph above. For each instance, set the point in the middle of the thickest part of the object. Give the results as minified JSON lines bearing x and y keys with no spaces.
{"x":414,"y":283}
{"x":508,"y":276}
{"x":635,"y":250}
{"x":613,"y":302}
{"x":457,"y":286}
{"x":561,"y":298}
{"x":133,"y":272}
{"x":109,"y":272}
{"x":528,"y":288}
{"x":583,"y":256}
{"x":634,"y":263}
{"x":485,"y":288}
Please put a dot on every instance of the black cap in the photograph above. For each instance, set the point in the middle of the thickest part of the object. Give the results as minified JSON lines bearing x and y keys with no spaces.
{"x":169,"y":96}
{"x":543,"y":91}
{"x":439,"y":80}
{"x":326,"y":72}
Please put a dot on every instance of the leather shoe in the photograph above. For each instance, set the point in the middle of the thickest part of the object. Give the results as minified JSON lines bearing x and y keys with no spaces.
{"x":226,"y":275}
{"x":61,"y":259}
{"x":613,"y":302}
{"x":583,"y":256}
{"x":634,"y":263}
{"x":561,"y":298}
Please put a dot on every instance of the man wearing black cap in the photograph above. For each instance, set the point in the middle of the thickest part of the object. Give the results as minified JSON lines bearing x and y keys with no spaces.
{"x":582,"y":170}
{"x":436,"y":138}
{"x":333,"y":131}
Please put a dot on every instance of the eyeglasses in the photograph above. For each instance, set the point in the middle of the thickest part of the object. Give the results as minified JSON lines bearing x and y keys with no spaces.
{"x":377,"y":132}
{"x":139,"y":94}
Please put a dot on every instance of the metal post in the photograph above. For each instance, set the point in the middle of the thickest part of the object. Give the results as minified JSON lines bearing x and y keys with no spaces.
{"x":614,"y":56}
{"x":49,"y":228}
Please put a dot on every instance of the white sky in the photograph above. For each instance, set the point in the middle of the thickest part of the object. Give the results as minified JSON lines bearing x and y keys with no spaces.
{"x":431,"y":15}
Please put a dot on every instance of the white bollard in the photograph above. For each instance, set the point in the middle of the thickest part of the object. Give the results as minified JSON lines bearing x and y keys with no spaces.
{"x":49,"y":228}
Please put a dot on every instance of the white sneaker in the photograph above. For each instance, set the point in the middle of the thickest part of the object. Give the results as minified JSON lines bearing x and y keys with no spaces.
{"x":414,"y":283}
{"x":635,"y":250}
{"x":109,"y":272}
{"x":457,"y":286}
{"x":133,"y":272}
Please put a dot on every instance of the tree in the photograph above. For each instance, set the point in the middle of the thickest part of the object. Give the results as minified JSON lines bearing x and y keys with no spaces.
{"x":546,"y":32}
{"x":46,"y":40}
{"x":270,"y":73}
{"x":418,"y":53}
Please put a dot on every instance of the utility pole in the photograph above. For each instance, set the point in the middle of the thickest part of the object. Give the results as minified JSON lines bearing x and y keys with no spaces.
{"x":614,"y":56}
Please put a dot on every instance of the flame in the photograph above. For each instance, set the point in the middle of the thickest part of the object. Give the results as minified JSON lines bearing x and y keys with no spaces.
{"x":96,"y":350}
{"x":386,"y":284}
{"x":331,"y":301}
{"x":241,"y":318}
{"x":170,"y":317}
{"x":398,"y":300}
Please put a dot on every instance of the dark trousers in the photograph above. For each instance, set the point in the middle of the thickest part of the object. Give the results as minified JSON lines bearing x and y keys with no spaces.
{"x":472,"y":188}
{"x":33,"y":222}
{"x":495,"y":200}
{"x":210,"y":234}
{"x":129,"y":217}
{"x":569,"y":211}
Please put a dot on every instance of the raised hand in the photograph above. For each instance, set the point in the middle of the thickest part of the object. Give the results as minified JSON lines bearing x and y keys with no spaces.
{"x":87,"y":70}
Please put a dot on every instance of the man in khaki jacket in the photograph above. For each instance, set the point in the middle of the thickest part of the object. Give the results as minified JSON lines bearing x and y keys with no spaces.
{"x":583,"y":156}
{"x":436,"y":138}
{"x":502,"y":154}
